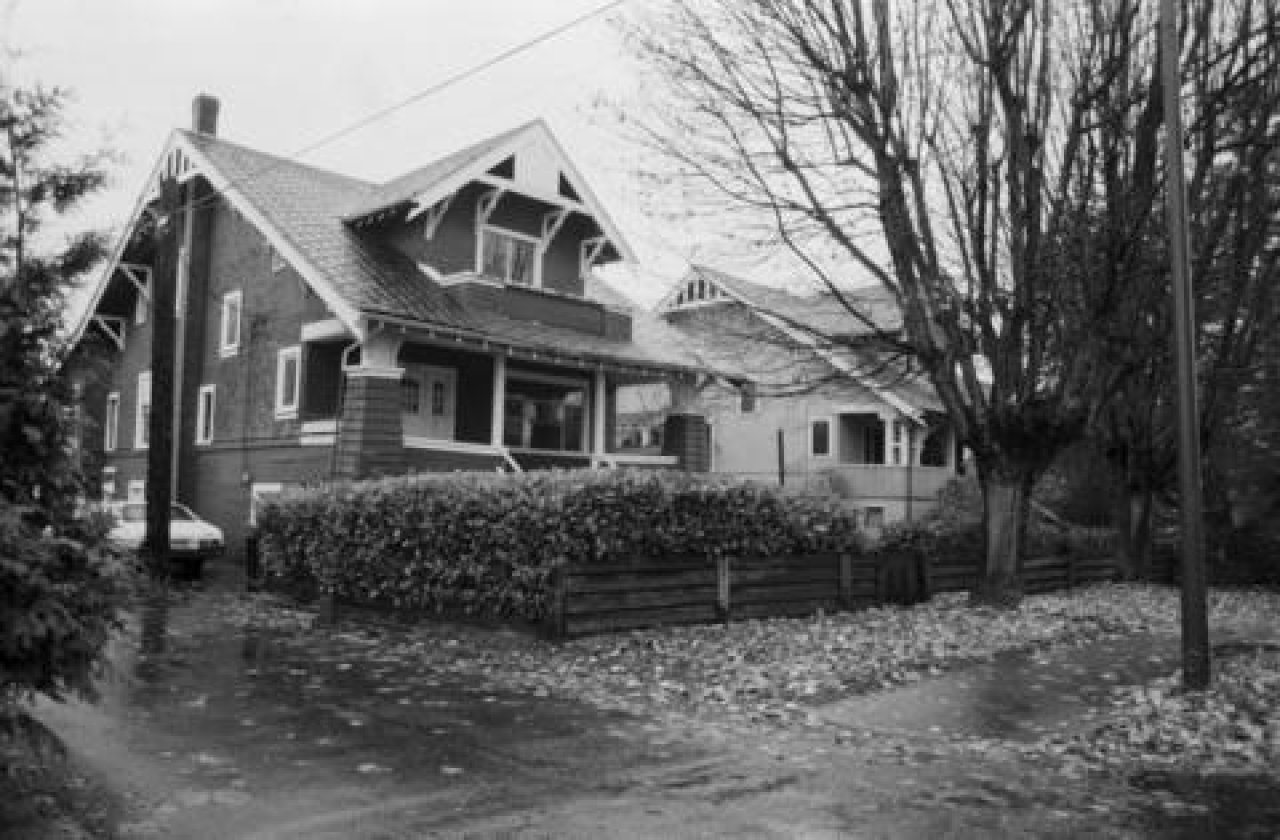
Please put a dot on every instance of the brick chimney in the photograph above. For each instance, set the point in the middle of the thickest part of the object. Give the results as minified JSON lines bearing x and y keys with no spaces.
{"x":204,"y":115}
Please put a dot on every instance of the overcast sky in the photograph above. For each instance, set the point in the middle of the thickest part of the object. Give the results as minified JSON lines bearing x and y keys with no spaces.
{"x":290,"y":72}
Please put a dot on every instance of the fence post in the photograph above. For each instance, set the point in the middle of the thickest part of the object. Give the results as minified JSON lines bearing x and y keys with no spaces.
{"x":723,"y":604}
{"x":846,"y":580}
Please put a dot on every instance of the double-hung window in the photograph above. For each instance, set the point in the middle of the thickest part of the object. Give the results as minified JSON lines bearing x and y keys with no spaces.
{"x":111,"y":422}
{"x":142,"y":417}
{"x":204,"y":414}
{"x":288,"y":382}
{"x":820,"y":438}
{"x":509,"y":257}
{"x":232,"y":304}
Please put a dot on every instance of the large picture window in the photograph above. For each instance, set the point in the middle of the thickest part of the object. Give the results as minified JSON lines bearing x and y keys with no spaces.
{"x":509,"y":257}
{"x":545,"y":414}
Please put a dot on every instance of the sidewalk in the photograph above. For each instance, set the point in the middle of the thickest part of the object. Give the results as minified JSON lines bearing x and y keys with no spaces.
{"x":1027,"y":696}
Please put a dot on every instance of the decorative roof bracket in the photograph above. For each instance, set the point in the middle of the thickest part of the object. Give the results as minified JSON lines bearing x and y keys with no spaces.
{"x":113,"y":327}
{"x":486,"y":204}
{"x":589,"y":252}
{"x":139,"y":275}
{"x":435,"y":214}
{"x":551,"y":224}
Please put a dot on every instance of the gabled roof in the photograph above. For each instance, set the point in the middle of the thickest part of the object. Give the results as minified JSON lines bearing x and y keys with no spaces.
{"x":763,"y":345}
{"x":440,"y":179}
{"x":824,"y":313}
{"x":302,"y":211}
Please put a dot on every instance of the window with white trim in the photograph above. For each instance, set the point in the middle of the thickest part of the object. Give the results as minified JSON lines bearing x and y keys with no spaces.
{"x":108,"y":483}
{"x":508,"y":256}
{"x":111,"y":422}
{"x":288,"y":382}
{"x":205,"y":405}
{"x":137,"y":491}
{"x":229,"y":334}
{"x":142,"y":416}
{"x":820,"y":438}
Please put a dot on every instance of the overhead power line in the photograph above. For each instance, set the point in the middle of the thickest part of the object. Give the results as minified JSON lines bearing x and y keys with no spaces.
{"x":432,"y":90}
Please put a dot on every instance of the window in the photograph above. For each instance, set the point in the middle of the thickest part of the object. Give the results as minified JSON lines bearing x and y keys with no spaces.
{"x":137,"y":492}
{"x":232,"y":303}
{"x":288,"y":378}
{"x":204,"y":414}
{"x":820,"y":438}
{"x":278,"y":263}
{"x":142,"y":418}
{"x":509,"y":257}
{"x":747,"y":398}
{"x":410,"y":395}
{"x":901,"y":442}
{"x":545,"y":413}
{"x":111,"y":422}
{"x":437,"y":399}
{"x":108,"y":483}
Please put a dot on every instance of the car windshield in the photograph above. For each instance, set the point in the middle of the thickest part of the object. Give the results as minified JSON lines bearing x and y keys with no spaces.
{"x":137,"y":512}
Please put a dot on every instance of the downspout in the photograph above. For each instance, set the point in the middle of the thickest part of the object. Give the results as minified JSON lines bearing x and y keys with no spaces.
{"x":180,"y":334}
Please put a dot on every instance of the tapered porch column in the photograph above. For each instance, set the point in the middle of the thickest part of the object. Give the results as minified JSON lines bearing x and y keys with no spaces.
{"x":371,"y":431}
{"x":599,"y":425}
{"x":497,"y":416}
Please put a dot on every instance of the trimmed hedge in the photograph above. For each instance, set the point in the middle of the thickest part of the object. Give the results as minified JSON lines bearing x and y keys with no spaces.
{"x":486,"y":544}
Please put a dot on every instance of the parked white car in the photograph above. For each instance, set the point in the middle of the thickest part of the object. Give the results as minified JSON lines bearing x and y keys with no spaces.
{"x":191,"y":539}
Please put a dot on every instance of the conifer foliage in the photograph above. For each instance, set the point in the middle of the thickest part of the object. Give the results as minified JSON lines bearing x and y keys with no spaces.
{"x":60,"y":586}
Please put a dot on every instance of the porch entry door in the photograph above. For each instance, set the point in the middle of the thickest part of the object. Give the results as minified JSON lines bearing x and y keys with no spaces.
{"x":428,"y":401}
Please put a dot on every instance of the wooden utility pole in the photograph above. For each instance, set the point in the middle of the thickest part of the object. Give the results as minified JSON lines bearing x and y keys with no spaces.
{"x":160,"y":429}
{"x":1195,"y":622}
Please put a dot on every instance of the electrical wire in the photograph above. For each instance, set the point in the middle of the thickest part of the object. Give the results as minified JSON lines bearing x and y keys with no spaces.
{"x":415,"y":98}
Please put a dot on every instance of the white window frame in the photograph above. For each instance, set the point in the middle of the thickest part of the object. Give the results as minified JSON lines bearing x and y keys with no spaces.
{"x":137,"y":493}
{"x":206,"y":408}
{"x":228,"y":344}
{"x":111,"y":423}
{"x":511,"y":234}
{"x":287,"y":404}
{"x":141,"y":419}
{"x":813,"y":438}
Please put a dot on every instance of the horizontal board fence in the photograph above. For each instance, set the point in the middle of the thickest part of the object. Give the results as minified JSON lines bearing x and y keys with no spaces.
{"x":647,"y":592}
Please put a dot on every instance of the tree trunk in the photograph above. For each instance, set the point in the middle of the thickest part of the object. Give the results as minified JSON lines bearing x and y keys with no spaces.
{"x":1006,"y":497}
{"x":1135,"y":536}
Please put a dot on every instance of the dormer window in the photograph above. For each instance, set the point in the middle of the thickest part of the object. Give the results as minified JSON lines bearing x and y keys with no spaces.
{"x":508,"y":256}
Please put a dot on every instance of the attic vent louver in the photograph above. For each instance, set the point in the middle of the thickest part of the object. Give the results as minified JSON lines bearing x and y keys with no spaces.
{"x":567,"y":191}
{"x":505,"y":169}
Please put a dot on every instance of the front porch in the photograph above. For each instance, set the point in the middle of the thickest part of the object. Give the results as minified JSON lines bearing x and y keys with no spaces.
{"x":409,"y":403}
{"x":892,"y":467}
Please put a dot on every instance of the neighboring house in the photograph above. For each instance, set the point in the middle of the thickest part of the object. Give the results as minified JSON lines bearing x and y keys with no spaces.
{"x":814,"y":398}
{"x":332,"y":328}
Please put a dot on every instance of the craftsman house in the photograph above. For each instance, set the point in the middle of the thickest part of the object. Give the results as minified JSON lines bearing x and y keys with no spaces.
{"x":814,"y":397}
{"x":332,"y":328}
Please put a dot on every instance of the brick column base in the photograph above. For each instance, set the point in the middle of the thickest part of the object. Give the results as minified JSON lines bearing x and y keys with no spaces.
{"x":688,"y":437}
{"x":370,"y":432}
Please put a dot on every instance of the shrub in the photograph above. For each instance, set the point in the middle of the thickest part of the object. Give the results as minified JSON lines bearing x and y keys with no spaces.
{"x":487,"y":544}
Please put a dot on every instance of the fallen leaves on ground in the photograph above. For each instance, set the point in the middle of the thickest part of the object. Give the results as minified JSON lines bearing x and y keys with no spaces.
{"x":773,"y":672}
{"x":1232,"y":727}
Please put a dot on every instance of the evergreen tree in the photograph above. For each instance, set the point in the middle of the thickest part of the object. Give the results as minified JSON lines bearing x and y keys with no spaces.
{"x":60,"y":586}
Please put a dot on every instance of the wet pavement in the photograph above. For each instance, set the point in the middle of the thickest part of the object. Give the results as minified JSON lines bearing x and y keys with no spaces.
{"x":1018,"y":696}
{"x":254,"y":722}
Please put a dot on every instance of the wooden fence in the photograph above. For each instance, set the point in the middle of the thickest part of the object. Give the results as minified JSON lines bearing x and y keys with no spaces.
{"x":599,"y":598}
